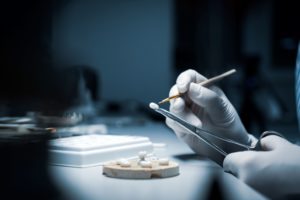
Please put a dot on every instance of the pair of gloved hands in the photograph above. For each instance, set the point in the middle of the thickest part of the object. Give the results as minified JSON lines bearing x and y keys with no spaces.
{"x":273,"y":171}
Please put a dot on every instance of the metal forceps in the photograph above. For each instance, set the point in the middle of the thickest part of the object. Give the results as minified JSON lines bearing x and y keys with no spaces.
{"x":204,"y":135}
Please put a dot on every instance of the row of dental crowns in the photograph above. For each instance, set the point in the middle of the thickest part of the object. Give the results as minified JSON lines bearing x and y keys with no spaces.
{"x":143,"y":162}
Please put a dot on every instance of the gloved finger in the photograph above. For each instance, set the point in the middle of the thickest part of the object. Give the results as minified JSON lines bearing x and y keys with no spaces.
{"x":218,"y":91}
{"x":272,"y":142}
{"x":177,"y":105}
{"x":216,"y":106}
{"x":178,"y":130}
{"x":186,"y":114}
{"x":180,"y":103}
{"x":234,"y":163}
{"x":186,"y":77}
{"x":231,"y":163}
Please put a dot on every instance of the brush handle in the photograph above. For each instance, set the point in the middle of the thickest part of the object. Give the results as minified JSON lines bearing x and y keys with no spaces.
{"x":217,"y":78}
{"x":203,"y":83}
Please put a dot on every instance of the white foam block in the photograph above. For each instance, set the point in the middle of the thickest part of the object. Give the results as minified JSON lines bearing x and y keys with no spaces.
{"x":92,"y":150}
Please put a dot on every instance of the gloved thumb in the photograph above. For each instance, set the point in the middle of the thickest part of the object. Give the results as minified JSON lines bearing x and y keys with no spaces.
{"x":230,"y":163}
{"x":272,"y":142}
{"x":216,"y":107}
{"x":236,"y":163}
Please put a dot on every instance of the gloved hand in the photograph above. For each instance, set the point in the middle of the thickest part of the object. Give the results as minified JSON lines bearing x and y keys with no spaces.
{"x":206,"y":108}
{"x":274,"y":172}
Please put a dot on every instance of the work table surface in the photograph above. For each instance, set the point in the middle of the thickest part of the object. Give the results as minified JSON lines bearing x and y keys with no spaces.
{"x":194,"y":182}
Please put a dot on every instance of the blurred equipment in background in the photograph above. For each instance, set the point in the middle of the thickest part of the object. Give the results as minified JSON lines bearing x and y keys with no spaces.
{"x":28,"y":82}
{"x":81,"y":88}
{"x":286,"y":34}
{"x":260,"y":102}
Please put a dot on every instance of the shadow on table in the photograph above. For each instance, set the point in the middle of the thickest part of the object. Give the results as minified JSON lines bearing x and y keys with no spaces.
{"x":189,"y":157}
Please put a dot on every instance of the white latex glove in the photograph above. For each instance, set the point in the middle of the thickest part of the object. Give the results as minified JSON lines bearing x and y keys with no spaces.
{"x":275,"y":171}
{"x":206,"y":108}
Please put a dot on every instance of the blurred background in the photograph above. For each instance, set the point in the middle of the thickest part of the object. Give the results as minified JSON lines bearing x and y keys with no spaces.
{"x":103,"y":57}
{"x":106,"y":60}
